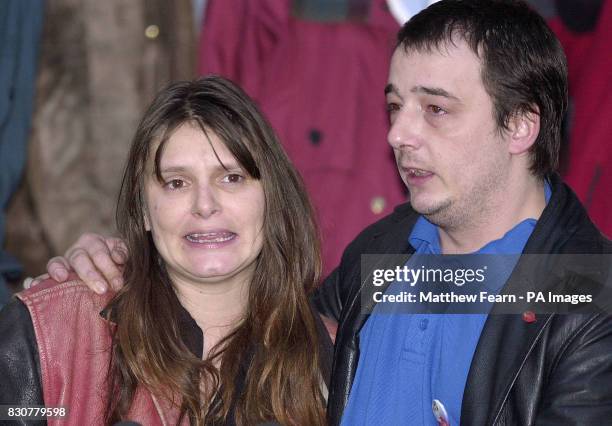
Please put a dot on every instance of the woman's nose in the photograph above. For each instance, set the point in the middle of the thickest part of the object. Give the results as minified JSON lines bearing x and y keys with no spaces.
{"x":205,"y":202}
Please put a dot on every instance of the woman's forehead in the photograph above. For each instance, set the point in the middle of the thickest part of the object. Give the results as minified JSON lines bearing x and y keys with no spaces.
{"x":189,"y":144}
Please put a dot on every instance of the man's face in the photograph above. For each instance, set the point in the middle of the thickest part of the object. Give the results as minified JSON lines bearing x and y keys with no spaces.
{"x":448,"y":149}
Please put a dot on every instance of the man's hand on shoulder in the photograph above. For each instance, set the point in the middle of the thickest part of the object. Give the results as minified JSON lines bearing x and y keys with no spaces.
{"x":97,"y":260}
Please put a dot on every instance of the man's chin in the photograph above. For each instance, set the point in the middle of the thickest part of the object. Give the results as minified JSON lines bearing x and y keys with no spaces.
{"x":425,"y":208}
{"x":433,"y":212}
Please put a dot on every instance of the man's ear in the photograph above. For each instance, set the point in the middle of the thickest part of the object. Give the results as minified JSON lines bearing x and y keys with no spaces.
{"x":523,"y":130}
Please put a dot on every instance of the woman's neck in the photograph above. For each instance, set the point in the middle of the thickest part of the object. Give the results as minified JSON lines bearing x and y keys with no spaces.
{"x":216,"y":308}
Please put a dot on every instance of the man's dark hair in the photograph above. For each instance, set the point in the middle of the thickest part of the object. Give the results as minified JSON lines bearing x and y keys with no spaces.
{"x":523,"y":65}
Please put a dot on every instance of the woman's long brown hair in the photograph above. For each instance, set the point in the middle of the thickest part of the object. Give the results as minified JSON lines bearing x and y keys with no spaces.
{"x":277,"y":339}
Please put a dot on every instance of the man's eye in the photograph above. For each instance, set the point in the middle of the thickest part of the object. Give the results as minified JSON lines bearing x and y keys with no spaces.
{"x":436,"y":110}
{"x":232,"y":178}
{"x":392,"y":107}
{"x":175,"y":184}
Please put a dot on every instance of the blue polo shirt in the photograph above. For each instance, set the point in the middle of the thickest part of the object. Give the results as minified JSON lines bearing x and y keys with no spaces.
{"x":408,"y":360}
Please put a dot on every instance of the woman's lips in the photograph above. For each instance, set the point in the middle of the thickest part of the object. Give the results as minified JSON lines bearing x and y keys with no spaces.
{"x":212,"y":239}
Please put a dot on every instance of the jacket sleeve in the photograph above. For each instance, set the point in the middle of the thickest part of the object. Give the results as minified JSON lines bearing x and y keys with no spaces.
{"x":578,"y":391}
{"x":19,"y":362}
{"x":327,"y":298}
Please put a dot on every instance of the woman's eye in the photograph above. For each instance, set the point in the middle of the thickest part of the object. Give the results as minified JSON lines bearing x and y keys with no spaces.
{"x":436,"y":110}
{"x":233,"y":178}
{"x":175,"y":184}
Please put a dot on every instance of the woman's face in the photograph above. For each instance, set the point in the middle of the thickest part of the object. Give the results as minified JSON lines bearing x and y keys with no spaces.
{"x":206,"y":220}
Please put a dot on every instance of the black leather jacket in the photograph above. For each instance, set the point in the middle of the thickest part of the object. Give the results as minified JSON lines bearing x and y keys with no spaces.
{"x":19,"y":364}
{"x":557,"y":371}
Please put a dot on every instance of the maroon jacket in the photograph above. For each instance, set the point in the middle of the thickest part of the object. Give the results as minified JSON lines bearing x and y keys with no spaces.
{"x":589,"y":165}
{"x":321,"y":85}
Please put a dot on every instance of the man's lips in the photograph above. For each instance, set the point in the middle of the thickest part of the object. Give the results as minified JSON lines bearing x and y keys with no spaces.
{"x":414,"y":172}
{"x":210,"y":237}
{"x":415,"y":177}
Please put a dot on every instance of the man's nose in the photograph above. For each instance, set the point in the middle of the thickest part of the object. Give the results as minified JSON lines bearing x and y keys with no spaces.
{"x":205,"y":201}
{"x":406,"y":130}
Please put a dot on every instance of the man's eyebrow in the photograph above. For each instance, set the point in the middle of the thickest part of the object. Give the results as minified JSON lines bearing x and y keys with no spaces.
{"x":390,"y":88}
{"x":434,"y":91}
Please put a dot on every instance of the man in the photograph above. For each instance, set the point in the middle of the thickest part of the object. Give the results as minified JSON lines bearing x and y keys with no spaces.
{"x":476,"y":95}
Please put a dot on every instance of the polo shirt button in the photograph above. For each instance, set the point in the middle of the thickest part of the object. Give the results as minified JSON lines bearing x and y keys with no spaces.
{"x":315,"y":136}
{"x":423,"y":323}
{"x":378,"y":204}
{"x":439,"y":413}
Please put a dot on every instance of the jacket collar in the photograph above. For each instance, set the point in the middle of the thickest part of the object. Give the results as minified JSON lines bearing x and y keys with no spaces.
{"x":383,"y":242}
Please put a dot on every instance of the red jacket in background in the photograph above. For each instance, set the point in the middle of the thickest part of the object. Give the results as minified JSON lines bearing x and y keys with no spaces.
{"x":321,"y":85}
{"x":589,"y":171}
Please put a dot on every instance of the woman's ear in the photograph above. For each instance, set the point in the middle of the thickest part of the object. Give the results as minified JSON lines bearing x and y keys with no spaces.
{"x":524,"y":128}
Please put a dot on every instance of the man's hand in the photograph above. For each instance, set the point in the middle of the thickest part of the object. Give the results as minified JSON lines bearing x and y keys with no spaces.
{"x":96,"y":260}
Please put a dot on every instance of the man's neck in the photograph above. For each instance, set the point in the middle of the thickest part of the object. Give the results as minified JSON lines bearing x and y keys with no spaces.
{"x":511,"y":206}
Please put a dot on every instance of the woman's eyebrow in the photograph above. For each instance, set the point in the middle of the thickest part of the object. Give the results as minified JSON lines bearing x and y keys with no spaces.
{"x":226,"y":166}
{"x":172,"y":169}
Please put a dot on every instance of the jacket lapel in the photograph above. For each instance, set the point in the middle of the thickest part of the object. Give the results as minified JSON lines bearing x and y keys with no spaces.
{"x":355,"y":315}
{"x":496,"y":365}
{"x":507,"y":339}
{"x":391,"y":251}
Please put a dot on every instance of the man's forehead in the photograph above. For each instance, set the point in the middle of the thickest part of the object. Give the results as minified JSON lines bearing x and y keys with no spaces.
{"x":450,"y":48}
{"x":447,"y":41}
{"x":450,"y":64}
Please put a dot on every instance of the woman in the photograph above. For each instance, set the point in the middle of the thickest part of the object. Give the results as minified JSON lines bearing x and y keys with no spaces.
{"x":213,"y":325}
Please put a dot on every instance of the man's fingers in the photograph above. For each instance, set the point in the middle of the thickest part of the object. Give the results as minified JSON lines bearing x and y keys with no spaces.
{"x":84,"y":267}
{"x":118,"y":250}
{"x":109,"y":269}
{"x":119,"y":254}
{"x":58,"y":268}
{"x":97,"y":261}
{"x":33,"y":282}
{"x":27,"y":283}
